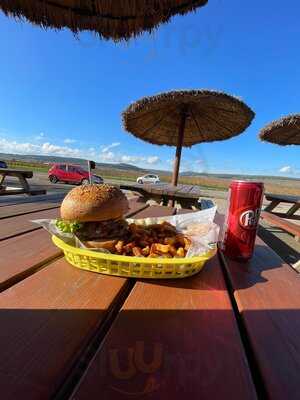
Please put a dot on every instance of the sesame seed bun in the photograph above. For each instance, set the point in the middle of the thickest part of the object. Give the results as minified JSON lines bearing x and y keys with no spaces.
{"x":89,"y":203}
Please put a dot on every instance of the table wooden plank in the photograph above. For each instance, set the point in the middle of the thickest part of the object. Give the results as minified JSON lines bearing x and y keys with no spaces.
{"x":172,"y":190}
{"x":157,"y":189}
{"x":136,"y":205}
{"x":47,"y":320}
{"x":272,"y":205}
{"x":178,"y":191}
{"x":22,"y":223}
{"x":288,"y":226}
{"x":14,"y":172}
{"x":172,"y":340}
{"x":266,"y":291}
{"x":157,"y":211}
{"x":16,"y":191}
{"x":55,"y":197}
{"x":283,"y":198}
{"x":19,"y":209}
{"x":184,"y":211}
{"x":20,"y":258}
{"x":22,"y":255}
{"x":186,"y":188}
{"x":164,"y":189}
{"x":293,"y":210}
{"x":294,"y":217}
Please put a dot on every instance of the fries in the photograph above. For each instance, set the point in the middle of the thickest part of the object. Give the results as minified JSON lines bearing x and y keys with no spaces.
{"x":137,"y":251}
{"x":119,"y":246}
{"x":156,"y":240}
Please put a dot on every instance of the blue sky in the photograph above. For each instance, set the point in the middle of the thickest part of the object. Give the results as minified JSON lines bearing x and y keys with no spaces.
{"x":63,"y":95}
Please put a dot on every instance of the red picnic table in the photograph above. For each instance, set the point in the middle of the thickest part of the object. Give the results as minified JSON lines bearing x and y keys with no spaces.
{"x":230,"y":332}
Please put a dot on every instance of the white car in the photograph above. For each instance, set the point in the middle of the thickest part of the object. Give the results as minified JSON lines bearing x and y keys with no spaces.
{"x":150,"y":178}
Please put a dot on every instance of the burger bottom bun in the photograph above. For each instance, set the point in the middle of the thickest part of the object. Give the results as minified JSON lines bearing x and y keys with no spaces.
{"x":101,"y":244}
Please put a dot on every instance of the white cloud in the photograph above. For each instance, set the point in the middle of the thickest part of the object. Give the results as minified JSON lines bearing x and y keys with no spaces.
{"x":110,"y":146}
{"x":11,"y":146}
{"x":152,"y":160}
{"x":286,"y":169}
{"x":47,"y":148}
{"x":69,"y":141}
{"x":108,"y":156}
{"x":8,"y":146}
{"x":129,"y":159}
{"x":140,"y":160}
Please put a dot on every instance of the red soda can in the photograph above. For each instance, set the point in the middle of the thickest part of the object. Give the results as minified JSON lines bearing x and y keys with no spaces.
{"x":241,"y":222}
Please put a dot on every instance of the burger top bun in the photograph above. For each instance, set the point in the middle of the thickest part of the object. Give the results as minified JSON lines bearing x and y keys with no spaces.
{"x":94,"y":203}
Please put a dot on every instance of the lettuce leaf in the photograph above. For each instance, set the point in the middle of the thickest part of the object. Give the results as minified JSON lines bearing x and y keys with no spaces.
{"x":68,"y":227}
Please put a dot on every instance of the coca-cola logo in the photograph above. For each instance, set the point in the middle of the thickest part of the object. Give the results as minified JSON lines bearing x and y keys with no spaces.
{"x":249,"y":218}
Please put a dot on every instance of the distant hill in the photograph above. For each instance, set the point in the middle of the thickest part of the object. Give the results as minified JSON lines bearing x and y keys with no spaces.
{"x":71,"y":160}
{"x":41,"y":159}
{"x":191,"y":173}
{"x":122,"y":166}
{"x":57,"y":159}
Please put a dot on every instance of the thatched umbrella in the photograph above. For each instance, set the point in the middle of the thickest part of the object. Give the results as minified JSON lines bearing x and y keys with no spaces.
{"x":111,"y":19}
{"x":184,"y":118}
{"x":284,"y":131}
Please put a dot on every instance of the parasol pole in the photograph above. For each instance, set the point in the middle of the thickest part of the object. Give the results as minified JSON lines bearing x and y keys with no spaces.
{"x":179,"y":148}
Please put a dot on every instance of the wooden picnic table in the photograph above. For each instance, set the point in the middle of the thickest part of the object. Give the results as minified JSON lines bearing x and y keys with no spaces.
{"x":282,"y":220}
{"x":164,"y":193}
{"x":22,"y":176}
{"x":276,"y":199}
{"x":230,"y":332}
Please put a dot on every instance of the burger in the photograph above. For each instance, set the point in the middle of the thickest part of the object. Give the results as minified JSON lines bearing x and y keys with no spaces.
{"x":95,"y":214}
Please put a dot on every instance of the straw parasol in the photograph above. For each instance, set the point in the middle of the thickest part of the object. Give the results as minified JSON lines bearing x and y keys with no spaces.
{"x":187,"y":117}
{"x":111,"y":19}
{"x":284,"y":131}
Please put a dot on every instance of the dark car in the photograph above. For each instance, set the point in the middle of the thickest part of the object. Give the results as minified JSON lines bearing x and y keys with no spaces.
{"x":3,"y":164}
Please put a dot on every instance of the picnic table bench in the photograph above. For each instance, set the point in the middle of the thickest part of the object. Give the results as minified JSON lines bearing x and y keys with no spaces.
{"x":286,"y":225}
{"x":22,"y":176}
{"x":276,"y":199}
{"x":230,"y":332}
{"x":281,"y":220}
{"x":186,"y":195}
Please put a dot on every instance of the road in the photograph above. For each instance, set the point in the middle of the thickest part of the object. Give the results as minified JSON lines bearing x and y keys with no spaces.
{"x":40,"y":181}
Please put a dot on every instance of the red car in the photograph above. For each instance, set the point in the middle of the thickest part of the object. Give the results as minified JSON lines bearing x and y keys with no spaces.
{"x":71,"y":174}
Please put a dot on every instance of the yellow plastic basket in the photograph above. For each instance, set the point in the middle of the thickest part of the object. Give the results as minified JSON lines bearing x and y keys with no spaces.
{"x":132,"y":267}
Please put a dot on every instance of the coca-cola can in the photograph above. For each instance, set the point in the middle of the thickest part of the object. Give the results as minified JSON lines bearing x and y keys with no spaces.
{"x":242,"y":218}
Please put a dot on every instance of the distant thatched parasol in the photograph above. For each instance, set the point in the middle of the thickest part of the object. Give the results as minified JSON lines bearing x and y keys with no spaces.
{"x":284,"y":131}
{"x":184,"y":118}
{"x":111,"y":19}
